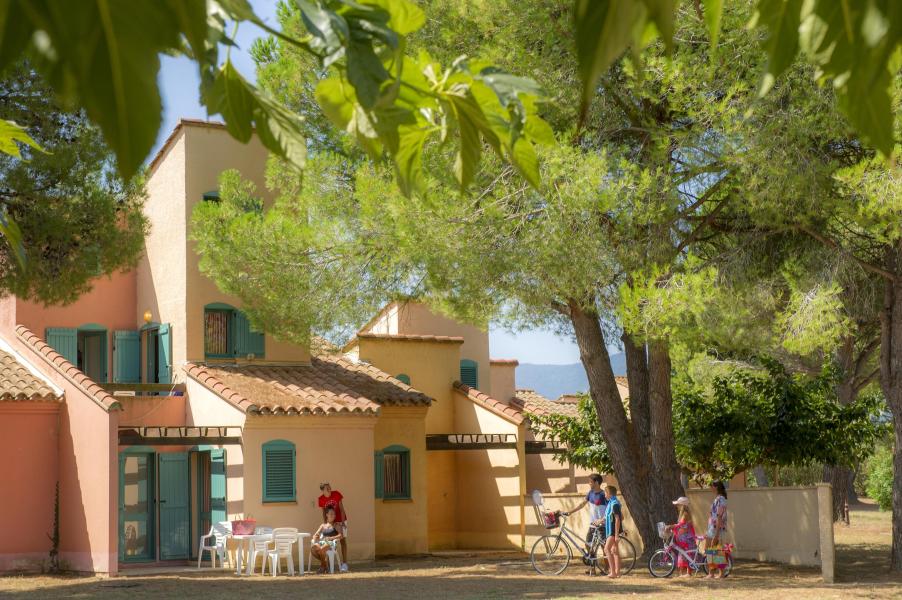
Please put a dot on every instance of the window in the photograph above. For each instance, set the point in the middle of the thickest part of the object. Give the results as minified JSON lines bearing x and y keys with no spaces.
{"x":469,"y":373}
{"x":278,"y":471}
{"x":404,"y":378}
{"x":392,"y":466}
{"x":85,"y":347}
{"x":228,"y":334}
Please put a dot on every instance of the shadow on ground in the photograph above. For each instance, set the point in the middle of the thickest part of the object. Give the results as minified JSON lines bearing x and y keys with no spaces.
{"x":454,"y":577}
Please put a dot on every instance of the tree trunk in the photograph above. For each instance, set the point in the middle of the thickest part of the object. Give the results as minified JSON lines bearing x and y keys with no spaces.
{"x":637,"y":379}
{"x":760,"y":476}
{"x":665,"y":468}
{"x":631,"y":470}
{"x":891,"y":383}
{"x":840,"y":476}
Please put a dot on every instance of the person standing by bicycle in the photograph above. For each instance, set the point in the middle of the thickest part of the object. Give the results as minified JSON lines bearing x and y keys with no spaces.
{"x":613,"y":524}
{"x":597,"y":503}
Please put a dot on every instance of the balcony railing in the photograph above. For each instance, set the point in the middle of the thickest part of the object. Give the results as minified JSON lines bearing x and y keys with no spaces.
{"x":144,"y":389}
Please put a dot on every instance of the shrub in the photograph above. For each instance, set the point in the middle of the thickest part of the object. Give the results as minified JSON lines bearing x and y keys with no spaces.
{"x":879,"y":469}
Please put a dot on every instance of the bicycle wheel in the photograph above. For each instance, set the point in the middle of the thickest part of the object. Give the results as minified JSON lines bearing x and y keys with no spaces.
{"x":726,"y":570}
{"x":661,"y":564}
{"x":550,"y":555}
{"x":627,"y":553}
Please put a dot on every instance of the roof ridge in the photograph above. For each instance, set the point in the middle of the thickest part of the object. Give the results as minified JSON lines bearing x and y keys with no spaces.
{"x":499,"y":408}
{"x":65,"y":368}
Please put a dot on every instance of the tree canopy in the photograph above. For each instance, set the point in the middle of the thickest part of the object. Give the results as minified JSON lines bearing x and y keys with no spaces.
{"x":78,"y":219}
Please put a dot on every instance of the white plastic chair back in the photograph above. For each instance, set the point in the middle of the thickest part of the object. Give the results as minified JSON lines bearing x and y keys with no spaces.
{"x":221,"y":531}
{"x":262,"y":530}
{"x":537,"y":498}
{"x":261,"y":542}
{"x":284,"y":538}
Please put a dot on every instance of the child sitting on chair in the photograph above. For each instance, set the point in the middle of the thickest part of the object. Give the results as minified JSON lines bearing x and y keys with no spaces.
{"x":325,"y":539}
{"x":683,"y":534}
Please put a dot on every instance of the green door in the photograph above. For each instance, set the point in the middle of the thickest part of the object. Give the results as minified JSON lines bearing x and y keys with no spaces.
{"x":217,"y":485}
{"x":136,"y":524}
{"x":175,"y":508}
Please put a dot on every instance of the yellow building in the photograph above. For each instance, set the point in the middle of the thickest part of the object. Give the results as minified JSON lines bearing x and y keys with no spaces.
{"x":171,"y":413}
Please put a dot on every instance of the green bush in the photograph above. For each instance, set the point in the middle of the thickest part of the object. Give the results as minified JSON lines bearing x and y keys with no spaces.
{"x":879,"y":469}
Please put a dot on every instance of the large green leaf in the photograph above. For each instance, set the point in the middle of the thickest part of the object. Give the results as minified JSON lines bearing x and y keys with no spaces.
{"x":604,"y":28}
{"x":247,"y":110}
{"x":10,"y":134}
{"x":409,"y":158}
{"x":713,"y":14}
{"x":104,"y":55}
{"x":406,"y":17}
{"x":782,"y":18}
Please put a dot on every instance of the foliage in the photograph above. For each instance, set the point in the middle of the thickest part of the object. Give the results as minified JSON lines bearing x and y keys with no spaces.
{"x":581,"y":436}
{"x":879,"y":473}
{"x":78,"y":219}
{"x":854,"y":46}
{"x":389,"y":102}
{"x":769,"y":416}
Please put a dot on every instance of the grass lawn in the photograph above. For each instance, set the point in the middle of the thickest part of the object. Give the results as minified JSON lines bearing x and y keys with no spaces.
{"x":862,"y":556}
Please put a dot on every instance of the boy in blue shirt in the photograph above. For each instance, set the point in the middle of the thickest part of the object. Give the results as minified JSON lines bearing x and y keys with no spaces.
{"x":597,"y":503}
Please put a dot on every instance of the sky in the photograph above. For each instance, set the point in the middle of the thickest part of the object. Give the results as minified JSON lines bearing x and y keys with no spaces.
{"x":179,"y":82}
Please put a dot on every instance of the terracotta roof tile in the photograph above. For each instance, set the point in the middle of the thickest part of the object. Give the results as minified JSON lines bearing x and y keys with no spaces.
{"x":409,"y":337}
{"x":68,"y":370}
{"x":18,"y":384}
{"x":504,"y":361}
{"x":501,"y":409}
{"x":532,"y":402}
{"x":328,"y":385}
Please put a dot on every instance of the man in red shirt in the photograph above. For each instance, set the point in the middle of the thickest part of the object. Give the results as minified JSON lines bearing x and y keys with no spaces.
{"x":333,"y":499}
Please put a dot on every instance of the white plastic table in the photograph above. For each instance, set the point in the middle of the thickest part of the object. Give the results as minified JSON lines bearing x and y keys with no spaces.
{"x":301,"y":537}
{"x":243,"y":540}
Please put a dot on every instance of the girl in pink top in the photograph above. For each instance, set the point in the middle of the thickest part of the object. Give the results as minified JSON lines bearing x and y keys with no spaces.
{"x":683,"y":534}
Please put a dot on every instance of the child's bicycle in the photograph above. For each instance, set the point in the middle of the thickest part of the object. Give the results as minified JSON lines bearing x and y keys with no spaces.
{"x":551,"y":554}
{"x":663,"y":562}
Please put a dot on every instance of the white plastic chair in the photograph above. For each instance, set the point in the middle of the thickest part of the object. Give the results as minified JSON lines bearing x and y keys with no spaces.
{"x":283,"y":539}
{"x":219,"y":533}
{"x":259,"y":547}
{"x":262,"y":530}
{"x":333,"y":553}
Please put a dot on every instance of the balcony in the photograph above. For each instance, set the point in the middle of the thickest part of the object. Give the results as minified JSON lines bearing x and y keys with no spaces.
{"x":139,"y":390}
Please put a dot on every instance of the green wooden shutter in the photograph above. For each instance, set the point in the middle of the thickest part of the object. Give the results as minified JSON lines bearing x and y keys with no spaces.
{"x":217,"y":485}
{"x":278,"y":471}
{"x":164,"y":355}
{"x":469,"y":373}
{"x":65,"y":341}
{"x":403,"y":378}
{"x":247,"y":341}
{"x":126,"y":357}
{"x":378,"y":466}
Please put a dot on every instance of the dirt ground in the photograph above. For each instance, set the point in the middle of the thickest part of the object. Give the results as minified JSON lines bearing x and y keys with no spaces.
{"x":862,"y":555}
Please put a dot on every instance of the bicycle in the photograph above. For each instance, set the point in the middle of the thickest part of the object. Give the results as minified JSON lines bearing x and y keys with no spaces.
{"x":551,"y":554}
{"x":663,"y":562}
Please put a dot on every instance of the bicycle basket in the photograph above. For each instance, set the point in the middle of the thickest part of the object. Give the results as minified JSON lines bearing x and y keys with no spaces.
{"x":661,"y":529}
{"x":551,"y":520}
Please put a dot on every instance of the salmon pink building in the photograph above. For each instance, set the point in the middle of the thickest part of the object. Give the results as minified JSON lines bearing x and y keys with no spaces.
{"x":149,"y":409}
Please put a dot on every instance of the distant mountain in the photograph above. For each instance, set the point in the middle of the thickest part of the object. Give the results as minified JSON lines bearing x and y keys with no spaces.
{"x":553,"y":380}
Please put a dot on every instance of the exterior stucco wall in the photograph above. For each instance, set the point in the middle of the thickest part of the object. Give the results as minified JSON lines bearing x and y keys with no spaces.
{"x":110,"y":303}
{"x":161,"y":273}
{"x":792,"y":532}
{"x":503,"y":381}
{"x":88,"y":474}
{"x":337,"y":449}
{"x":209,"y":152}
{"x":432,"y":368}
{"x":402,"y":525}
{"x":142,"y":411}
{"x":417,"y":319}
{"x":29,"y":433}
{"x":491,"y":483}
{"x":203,"y":407}
{"x":578,"y":521}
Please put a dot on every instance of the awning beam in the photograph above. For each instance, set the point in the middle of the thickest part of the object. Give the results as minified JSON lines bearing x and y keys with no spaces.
{"x":471,"y":441}
{"x":218,"y":435}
